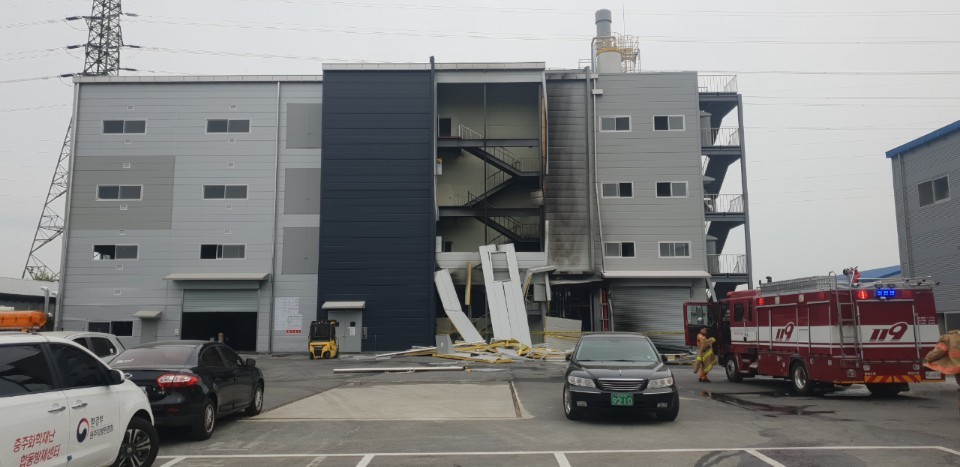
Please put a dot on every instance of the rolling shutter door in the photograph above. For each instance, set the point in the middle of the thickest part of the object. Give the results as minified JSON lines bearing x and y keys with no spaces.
{"x":651,"y":310}
{"x":238,"y":300}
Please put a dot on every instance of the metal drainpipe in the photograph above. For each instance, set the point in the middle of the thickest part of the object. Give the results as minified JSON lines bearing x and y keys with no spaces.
{"x":61,"y":287}
{"x":596,"y":177}
{"x":907,"y":241}
{"x":746,"y":199}
{"x":276,"y":216}
{"x":590,"y":163}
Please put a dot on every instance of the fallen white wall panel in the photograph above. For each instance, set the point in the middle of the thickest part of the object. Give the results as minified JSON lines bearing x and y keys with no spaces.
{"x":451,"y":306}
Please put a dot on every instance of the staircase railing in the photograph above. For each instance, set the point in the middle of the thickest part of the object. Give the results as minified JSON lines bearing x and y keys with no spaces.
{"x":523,"y":231}
{"x":480,"y":188}
{"x":503,"y":154}
{"x":727,"y":204}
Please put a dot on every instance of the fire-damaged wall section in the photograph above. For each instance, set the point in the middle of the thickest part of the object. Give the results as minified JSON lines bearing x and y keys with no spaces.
{"x":377,"y":225}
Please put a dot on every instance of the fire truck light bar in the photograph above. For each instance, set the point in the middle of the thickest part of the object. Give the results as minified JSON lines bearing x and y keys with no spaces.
{"x":886,"y":293}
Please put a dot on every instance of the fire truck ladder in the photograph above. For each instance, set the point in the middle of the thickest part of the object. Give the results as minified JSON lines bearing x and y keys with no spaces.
{"x":848,"y":323}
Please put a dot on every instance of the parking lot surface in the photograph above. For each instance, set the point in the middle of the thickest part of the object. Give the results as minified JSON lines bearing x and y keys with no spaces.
{"x":511,"y":414}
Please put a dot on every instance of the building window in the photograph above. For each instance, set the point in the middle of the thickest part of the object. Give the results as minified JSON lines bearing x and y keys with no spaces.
{"x":615,"y":123}
{"x":111,"y":192}
{"x":671,"y":189}
{"x":124,"y":126}
{"x":111,"y":252}
{"x":668,"y":123}
{"x":618,"y":250}
{"x":224,"y":192}
{"x":228,"y":126}
{"x":117,"y":328}
{"x":674,"y":249}
{"x":617,"y":190}
{"x":934,"y":191}
{"x":223,"y":251}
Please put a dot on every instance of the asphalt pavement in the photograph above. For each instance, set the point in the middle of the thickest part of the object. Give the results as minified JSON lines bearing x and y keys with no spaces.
{"x":314,"y":417}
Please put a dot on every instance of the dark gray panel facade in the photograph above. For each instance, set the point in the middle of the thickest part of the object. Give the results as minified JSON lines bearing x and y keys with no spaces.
{"x":304,"y":125}
{"x":301,"y":194}
{"x":300,"y":250}
{"x":377,"y":226}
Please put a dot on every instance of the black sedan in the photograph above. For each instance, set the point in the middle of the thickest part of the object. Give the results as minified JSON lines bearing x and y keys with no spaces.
{"x":192,"y":383}
{"x":618,"y":372}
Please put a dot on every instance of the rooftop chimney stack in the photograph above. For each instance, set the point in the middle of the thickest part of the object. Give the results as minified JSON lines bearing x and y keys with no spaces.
{"x":613,"y":53}
{"x":603,"y":19}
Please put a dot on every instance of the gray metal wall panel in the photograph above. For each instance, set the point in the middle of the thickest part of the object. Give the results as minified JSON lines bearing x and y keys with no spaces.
{"x":644,"y":157}
{"x":567,"y":195}
{"x":300,"y":250}
{"x":301,"y":191}
{"x":154,"y":211}
{"x":363,"y":209}
{"x":932,"y":247}
{"x":304,"y":126}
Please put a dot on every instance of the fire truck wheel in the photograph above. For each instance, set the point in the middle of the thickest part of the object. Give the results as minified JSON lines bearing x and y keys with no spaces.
{"x":733,"y":372}
{"x":801,"y":379}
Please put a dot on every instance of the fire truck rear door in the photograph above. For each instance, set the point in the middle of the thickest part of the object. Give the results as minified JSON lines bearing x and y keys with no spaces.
{"x":888,"y":330}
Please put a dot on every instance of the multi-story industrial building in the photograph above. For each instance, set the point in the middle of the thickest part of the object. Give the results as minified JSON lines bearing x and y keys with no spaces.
{"x":198,"y":206}
{"x":925,"y":173}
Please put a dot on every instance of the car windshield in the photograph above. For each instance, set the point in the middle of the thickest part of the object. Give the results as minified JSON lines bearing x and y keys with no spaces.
{"x":617,"y":349}
{"x":153,"y":356}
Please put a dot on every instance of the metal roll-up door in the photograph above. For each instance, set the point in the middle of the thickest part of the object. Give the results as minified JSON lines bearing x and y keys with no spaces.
{"x":237,"y":300}
{"x":651,"y":310}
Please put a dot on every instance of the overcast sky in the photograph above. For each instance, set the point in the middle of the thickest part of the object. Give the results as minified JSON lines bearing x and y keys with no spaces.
{"x":828,"y":87}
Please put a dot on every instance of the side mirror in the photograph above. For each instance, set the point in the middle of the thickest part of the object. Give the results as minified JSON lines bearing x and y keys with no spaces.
{"x":250,"y":362}
{"x":663,"y":358}
{"x":117,"y":377}
{"x":567,"y":357}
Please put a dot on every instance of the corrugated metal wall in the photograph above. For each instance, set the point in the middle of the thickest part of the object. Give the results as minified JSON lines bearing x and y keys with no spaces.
{"x":651,"y":310}
{"x":377,"y":226}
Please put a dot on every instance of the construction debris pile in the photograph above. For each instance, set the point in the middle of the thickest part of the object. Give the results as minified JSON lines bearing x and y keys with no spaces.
{"x":508,"y":317}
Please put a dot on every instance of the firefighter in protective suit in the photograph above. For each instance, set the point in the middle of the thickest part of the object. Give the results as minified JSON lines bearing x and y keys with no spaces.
{"x":945,"y":357}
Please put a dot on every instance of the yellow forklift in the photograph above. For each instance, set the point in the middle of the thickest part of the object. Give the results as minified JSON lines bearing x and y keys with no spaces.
{"x":323,"y":339}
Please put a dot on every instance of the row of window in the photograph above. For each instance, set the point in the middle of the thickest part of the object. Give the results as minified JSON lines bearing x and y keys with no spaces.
{"x":135,"y":192}
{"x":207,"y":251}
{"x":625,"y":190}
{"x":628,"y":249}
{"x":934,"y":191}
{"x":614,"y":123}
{"x":214,"y":125}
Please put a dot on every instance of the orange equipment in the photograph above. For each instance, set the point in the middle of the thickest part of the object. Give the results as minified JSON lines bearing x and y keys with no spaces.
{"x":22,"y":320}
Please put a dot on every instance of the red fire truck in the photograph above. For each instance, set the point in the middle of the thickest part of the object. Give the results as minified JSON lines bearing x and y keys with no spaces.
{"x":819,"y":331}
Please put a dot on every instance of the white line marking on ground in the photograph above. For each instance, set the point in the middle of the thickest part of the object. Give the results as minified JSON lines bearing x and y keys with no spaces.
{"x":175,"y":461}
{"x":528,"y":453}
{"x":764,"y":458}
{"x":366,"y":460}
{"x":951,"y":451}
{"x":316,"y":461}
{"x":561,"y":459}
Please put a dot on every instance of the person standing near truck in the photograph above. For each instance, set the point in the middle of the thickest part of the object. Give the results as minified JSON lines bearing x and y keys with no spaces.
{"x":945,"y":357}
{"x":705,"y":356}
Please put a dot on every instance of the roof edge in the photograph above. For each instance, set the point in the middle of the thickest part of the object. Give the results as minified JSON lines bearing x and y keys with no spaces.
{"x":936,"y":134}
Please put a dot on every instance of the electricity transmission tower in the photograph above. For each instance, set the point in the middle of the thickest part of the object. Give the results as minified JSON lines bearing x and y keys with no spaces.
{"x":102,"y":58}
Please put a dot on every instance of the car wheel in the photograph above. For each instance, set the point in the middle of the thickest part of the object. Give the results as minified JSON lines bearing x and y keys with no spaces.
{"x":256,"y":404}
{"x":733,"y":370}
{"x":801,"y":379}
{"x":140,"y":444}
{"x":203,"y":428}
{"x":569,"y":409}
{"x":670,"y":414}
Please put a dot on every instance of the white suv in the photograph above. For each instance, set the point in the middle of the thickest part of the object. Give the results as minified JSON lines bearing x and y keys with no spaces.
{"x":61,"y":405}
{"x":104,"y":346}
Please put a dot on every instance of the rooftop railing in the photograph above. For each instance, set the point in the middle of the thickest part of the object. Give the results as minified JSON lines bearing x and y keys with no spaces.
{"x":717,"y":83}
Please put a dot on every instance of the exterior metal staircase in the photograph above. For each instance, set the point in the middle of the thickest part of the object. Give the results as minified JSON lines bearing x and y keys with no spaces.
{"x":509,"y":167}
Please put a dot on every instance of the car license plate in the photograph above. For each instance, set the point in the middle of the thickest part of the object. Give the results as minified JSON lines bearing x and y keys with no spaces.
{"x":933,"y":375}
{"x":619,"y":398}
